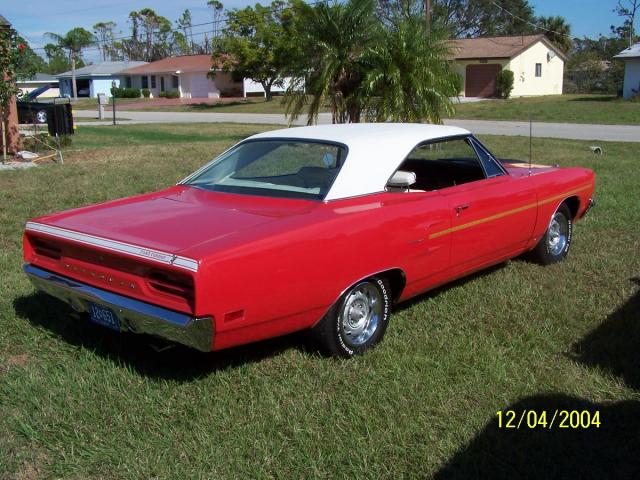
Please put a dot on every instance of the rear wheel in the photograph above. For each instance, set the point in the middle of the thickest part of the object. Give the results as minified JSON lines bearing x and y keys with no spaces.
{"x":357,"y":321}
{"x":554,"y":244}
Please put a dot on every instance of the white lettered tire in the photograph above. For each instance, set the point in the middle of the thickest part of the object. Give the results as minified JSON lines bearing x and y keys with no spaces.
{"x":357,"y":321}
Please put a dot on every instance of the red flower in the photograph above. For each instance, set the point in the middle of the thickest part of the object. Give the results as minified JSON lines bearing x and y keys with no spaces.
{"x":21,"y":46}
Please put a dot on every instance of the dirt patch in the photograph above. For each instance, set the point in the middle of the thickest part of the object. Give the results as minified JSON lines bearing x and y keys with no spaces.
{"x":27,"y":471}
{"x":14,"y":361}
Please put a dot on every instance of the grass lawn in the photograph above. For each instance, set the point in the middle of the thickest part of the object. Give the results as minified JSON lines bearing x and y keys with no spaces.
{"x":78,"y":401}
{"x":598,"y":109}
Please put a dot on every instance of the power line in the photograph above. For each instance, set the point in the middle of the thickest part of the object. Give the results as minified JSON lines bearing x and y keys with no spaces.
{"x":528,"y":22}
{"x":180,"y":29}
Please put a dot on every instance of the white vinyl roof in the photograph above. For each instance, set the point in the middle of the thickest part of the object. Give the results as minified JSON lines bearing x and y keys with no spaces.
{"x":375,"y":150}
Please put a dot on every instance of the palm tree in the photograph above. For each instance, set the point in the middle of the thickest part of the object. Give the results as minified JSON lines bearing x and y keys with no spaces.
{"x":74,"y":41}
{"x":557,"y":30}
{"x":409,"y":77}
{"x":337,"y":37}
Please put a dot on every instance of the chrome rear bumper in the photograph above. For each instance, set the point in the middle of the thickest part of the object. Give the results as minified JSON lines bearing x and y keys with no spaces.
{"x":134,"y":316}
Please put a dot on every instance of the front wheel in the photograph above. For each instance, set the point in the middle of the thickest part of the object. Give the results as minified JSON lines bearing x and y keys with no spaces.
{"x":357,"y":321}
{"x":554,"y":244}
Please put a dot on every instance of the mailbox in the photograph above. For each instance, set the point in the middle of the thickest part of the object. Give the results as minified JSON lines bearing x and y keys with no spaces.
{"x":103,"y":99}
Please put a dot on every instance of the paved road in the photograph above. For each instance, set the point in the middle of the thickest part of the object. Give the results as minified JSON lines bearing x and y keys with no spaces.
{"x":620,"y":133}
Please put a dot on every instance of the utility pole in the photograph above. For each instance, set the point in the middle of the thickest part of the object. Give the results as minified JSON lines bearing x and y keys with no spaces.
{"x":427,"y":14}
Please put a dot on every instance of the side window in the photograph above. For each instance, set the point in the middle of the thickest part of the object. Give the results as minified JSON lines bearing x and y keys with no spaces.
{"x":491,"y":168}
{"x":538,"y":69}
{"x":443,"y":164}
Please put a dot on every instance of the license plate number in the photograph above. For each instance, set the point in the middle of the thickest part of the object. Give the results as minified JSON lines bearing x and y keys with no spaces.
{"x":104,"y":316}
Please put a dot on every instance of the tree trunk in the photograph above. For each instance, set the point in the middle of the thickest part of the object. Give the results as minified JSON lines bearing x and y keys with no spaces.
{"x":74,"y":87}
{"x":10,"y":141}
{"x":267,"y":91}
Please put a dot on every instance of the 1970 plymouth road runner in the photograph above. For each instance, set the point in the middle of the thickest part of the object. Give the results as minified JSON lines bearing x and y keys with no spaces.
{"x":319,"y":228}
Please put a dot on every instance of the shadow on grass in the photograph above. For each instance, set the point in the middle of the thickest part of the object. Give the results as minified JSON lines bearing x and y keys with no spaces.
{"x":456,"y":283}
{"x":599,"y":98}
{"x":177,"y":363}
{"x":609,"y":451}
{"x":614,"y":346}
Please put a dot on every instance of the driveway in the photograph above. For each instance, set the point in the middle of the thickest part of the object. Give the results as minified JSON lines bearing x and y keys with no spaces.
{"x":617,"y":133}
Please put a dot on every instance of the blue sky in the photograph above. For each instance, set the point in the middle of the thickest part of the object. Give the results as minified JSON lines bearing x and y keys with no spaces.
{"x":33,"y":19}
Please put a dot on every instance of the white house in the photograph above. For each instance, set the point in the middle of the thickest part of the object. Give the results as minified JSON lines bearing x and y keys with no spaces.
{"x":189,"y":76}
{"x":37,"y":81}
{"x":537,"y":64}
{"x":94,"y":79}
{"x":631,"y":58}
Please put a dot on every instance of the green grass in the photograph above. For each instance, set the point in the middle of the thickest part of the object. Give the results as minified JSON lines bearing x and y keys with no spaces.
{"x":77,"y":401}
{"x":598,"y":109}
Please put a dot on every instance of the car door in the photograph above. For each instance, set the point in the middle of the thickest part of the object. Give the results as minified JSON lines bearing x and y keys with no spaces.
{"x":491,"y":218}
{"x":491,"y":213}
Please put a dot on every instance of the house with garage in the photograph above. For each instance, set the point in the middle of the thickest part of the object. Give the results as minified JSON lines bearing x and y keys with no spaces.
{"x":94,"y":79}
{"x":631,"y":58}
{"x":537,"y":64}
{"x":189,"y":75}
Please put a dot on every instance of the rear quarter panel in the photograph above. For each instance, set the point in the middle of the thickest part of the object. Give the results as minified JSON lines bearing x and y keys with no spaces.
{"x":554,"y":187}
{"x":283,"y":276}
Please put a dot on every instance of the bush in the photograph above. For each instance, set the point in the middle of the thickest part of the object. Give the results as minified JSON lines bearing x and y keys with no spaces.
{"x":146,"y":93}
{"x":170,"y":94}
{"x":125,"y":92}
{"x":504,"y":83}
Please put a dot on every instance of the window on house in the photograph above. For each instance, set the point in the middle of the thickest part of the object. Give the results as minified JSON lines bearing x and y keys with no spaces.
{"x":174,"y":82}
{"x":153,"y":81}
{"x":127,"y":82}
{"x":538,"y":69}
{"x":145,"y":81}
{"x":162,"y":84}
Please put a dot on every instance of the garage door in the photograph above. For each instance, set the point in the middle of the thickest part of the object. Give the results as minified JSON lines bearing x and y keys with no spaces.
{"x":199,"y":87}
{"x":481,"y":80}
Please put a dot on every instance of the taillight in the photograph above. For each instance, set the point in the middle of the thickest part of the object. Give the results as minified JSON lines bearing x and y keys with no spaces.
{"x":171,"y":283}
{"x":46,"y":248}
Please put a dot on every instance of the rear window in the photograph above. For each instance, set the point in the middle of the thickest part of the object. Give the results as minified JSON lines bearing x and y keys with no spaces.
{"x":274,"y":168}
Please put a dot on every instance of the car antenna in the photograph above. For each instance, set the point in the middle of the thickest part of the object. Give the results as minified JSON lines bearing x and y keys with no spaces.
{"x":530,"y":142}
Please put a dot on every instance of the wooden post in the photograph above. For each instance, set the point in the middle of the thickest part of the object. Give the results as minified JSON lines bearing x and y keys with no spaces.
{"x":10,"y":138}
{"x":427,"y":13}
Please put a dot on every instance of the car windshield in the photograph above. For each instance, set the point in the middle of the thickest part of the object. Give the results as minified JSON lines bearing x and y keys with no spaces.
{"x":274,"y":168}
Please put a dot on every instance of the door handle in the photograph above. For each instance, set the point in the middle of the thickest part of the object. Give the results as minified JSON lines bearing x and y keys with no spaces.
{"x":460,"y":208}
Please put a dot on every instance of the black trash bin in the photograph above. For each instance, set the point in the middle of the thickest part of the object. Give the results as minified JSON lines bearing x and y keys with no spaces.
{"x":60,"y":119}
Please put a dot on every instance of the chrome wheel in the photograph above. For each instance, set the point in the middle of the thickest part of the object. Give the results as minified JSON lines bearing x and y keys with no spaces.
{"x":557,"y":234}
{"x":360,"y":314}
{"x":41,"y":116}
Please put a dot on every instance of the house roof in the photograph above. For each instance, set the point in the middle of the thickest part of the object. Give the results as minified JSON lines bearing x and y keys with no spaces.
{"x":39,"y":78}
{"x":498,"y":47}
{"x":103,"y":69}
{"x":632,"y":52}
{"x":185,"y":63}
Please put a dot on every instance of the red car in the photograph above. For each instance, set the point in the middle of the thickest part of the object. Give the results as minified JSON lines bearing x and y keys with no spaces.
{"x":321,"y":228}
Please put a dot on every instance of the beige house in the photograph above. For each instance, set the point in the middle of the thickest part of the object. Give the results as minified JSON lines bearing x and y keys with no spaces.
{"x":188,"y":75}
{"x":537,"y":65}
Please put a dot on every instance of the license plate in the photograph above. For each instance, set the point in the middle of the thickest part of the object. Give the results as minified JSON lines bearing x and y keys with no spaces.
{"x":104,"y":316}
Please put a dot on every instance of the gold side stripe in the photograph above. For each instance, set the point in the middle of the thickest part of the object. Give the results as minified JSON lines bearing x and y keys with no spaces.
{"x":509,"y":212}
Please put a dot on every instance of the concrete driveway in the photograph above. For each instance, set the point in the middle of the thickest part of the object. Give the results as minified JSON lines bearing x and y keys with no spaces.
{"x":618,"y":133}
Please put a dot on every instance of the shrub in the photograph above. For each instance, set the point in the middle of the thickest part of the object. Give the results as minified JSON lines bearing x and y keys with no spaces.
{"x":125,"y":92}
{"x":146,"y":93}
{"x":170,"y":94}
{"x":504,"y":83}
